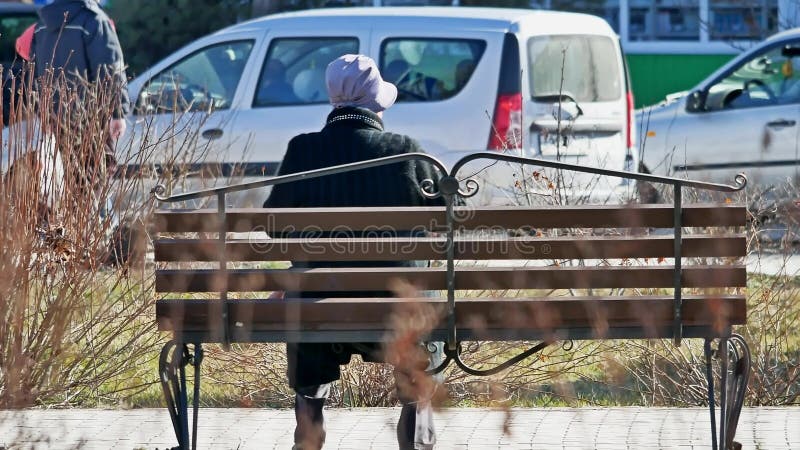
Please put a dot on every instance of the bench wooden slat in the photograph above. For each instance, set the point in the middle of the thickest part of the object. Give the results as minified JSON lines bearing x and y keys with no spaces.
{"x":385,"y":278}
{"x":547,"y":314}
{"x":595,"y":247}
{"x":398,"y":218}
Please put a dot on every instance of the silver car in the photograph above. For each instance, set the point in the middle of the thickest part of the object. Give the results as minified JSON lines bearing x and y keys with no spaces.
{"x":742,"y":118}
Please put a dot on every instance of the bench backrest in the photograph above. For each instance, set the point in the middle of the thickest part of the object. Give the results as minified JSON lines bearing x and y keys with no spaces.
{"x":583,"y":271}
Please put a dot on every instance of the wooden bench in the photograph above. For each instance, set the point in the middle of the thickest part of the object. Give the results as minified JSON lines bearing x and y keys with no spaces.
{"x":685,"y":282}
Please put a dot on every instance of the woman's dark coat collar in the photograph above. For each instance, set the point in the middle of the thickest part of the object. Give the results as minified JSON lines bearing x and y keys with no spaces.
{"x":355,"y":117}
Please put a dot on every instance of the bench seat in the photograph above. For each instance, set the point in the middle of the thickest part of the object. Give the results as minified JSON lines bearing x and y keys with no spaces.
{"x":480,"y":318}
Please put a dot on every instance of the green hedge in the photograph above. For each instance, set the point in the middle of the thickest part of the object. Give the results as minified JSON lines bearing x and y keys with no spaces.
{"x":149,"y":30}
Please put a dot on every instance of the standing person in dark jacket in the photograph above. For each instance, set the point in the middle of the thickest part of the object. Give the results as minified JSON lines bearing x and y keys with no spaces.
{"x":76,"y":40}
{"x":353,"y":132}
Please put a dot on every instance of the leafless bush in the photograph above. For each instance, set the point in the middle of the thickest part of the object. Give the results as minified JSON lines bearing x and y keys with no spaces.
{"x":246,"y":376}
{"x":76,"y":323}
{"x":661,"y":374}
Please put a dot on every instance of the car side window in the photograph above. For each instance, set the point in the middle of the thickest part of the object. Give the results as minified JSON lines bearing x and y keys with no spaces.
{"x":294,"y":70}
{"x":769,"y":78}
{"x":427,"y":70}
{"x":205,"y":80}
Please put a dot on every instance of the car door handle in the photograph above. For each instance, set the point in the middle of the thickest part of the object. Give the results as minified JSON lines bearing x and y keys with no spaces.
{"x":213,"y":133}
{"x":781,"y":123}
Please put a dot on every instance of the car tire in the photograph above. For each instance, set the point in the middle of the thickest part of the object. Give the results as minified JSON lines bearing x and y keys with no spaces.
{"x":646,"y":191}
{"x":127,"y":246}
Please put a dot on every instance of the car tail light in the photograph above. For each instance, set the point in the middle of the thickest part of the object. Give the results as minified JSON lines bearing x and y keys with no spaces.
{"x":506,"y":130}
{"x":631,"y":126}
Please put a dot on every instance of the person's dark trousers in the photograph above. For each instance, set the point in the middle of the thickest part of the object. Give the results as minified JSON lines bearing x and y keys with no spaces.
{"x":415,"y":429}
{"x":309,"y":433}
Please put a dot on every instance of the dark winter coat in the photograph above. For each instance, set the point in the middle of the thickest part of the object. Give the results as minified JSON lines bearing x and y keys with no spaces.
{"x":76,"y":36}
{"x":350,"y":135}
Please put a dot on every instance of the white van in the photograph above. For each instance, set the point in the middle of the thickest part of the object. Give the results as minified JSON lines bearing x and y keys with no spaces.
{"x":469,"y":80}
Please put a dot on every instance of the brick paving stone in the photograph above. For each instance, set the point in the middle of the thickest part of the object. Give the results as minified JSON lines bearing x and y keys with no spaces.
{"x":374,"y":428}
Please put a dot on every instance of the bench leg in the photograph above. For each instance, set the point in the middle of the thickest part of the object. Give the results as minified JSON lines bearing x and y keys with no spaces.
{"x":196,"y":361}
{"x":172,"y":374}
{"x":735,"y":364}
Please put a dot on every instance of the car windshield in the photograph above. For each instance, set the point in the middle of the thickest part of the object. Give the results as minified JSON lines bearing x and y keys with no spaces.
{"x":591,"y":71}
{"x":770,"y":77}
{"x":11,"y":27}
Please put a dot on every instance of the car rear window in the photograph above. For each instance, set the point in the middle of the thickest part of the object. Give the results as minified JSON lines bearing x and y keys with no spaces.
{"x":590,"y":67}
{"x":294,"y":70}
{"x":427,"y":70}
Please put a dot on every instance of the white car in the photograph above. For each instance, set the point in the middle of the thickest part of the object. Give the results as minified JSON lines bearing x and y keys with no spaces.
{"x":742,"y":118}
{"x":470,"y":79}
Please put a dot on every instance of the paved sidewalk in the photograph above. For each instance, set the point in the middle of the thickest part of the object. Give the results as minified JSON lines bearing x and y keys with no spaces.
{"x":373,"y":428}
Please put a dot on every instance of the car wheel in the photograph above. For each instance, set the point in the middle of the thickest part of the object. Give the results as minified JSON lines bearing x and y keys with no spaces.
{"x":646,"y":191}
{"x":127,"y":246}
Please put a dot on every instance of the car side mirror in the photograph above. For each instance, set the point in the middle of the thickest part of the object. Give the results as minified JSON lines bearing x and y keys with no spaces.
{"x":167,"y":99}
{"x":695,"y":102}
{"x":145,"y":104}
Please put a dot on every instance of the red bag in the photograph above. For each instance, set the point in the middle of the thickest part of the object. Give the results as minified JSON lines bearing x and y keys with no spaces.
{"x":24,"y":43}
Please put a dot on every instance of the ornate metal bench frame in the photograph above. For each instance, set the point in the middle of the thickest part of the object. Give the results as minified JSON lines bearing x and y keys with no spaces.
{"x":732,"y":350}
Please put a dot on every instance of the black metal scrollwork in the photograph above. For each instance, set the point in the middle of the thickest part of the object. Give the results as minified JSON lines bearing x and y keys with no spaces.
{"x":471,"y":188}
{"x":429,"y":189}
{"x":159,"y":192}
{"x":741,"y":181}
